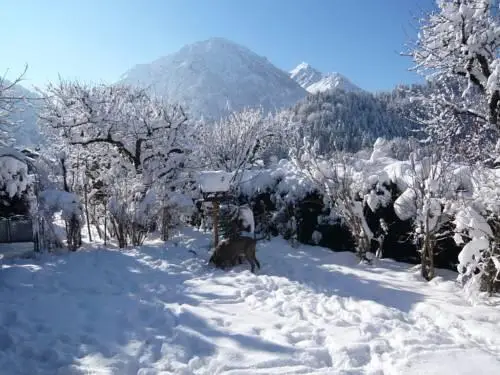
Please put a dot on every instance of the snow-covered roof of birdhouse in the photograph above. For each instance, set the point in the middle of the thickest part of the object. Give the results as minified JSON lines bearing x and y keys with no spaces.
{"x":215,"y":181}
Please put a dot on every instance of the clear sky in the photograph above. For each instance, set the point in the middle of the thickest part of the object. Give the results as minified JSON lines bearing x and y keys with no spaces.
{"x":98,"y":40}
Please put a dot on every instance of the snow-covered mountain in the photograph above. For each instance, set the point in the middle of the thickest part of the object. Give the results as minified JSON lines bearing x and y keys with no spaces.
{"x":24,"y":116}
{"x":314,"y":81}
{"x":305,"y":75}
{"x":215,"y":76}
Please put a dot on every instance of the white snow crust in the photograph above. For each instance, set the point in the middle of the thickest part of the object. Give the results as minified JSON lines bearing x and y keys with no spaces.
{"x":215,"y":181}
{"x":159,"y":309}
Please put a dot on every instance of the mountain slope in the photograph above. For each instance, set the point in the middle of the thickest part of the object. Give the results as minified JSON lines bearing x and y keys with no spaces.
{"x":22,"y":120}
{"x":348,"y":120}
{"x":314,"y":81}
{"x":215,"y":76}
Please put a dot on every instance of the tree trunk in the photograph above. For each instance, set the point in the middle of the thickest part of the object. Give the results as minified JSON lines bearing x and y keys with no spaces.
{"x":73,"y":227}
{"x":86,"y":202}
{"x":73,"y":233}
{"x":165,"y":222}
{"x":427,"y":258}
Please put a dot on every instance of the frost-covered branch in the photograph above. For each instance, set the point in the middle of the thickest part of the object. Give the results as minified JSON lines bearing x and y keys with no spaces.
{"x":126,"y":151}
{"x":234,"y":142}
{"x":8,"y":101}
{"x":462,"y":39}
{"x":127,"y":119}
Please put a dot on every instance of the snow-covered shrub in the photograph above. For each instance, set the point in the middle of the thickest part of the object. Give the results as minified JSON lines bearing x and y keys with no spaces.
{"x":347,"y":185}
{"x":52,"y":202}
{"x":275,"y":194}
{"x":132,"y":210}
{"x":14,"y":177}
{"x":236,"y":220}
{"x":479,"y":260}
{"x":284,"y":220}
{"x":316,"y":237}
{"x":477,"y":222}
{"x":429,"y":183}
{"x":263,"y":209}
{"x":401,"y":148}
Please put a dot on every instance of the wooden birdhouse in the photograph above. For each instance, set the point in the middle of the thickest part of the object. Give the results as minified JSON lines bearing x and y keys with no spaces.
{"x":215,"y":188}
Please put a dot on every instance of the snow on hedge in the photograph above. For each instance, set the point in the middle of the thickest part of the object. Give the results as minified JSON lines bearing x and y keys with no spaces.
{"x":282,"y":178}
{"x":14,"y":178}
{"x":426,"y":184}
{"x":370,"y":177}
{"x":404,"y":206}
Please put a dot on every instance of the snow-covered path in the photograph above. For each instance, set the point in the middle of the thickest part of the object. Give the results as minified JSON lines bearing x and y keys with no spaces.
{"x":161,"y":310}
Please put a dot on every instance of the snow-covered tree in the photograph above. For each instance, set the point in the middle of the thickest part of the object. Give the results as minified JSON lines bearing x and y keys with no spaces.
{"x":432,"y":183}
{"x":234,"y":142}
{"x":140,"y":129}
{"x":438,"y":109}
{"x":347,"y":121}
{"x":123,"y":145}
{"x":457,"y":47}
{"x":8,"y":99}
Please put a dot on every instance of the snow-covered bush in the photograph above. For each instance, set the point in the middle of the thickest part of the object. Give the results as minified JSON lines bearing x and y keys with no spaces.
{"x":477,"y":222}
{"x":52,"y":202}
{"x":457,"y":49}
{"x":316,"y":237}
{"x":176,"y":208}
{"x":14,"y":177}
{"x":341,"y":182}
{"x":479,"y":260}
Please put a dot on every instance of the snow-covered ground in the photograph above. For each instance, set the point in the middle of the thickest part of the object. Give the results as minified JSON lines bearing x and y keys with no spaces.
{"x":160,"y":309}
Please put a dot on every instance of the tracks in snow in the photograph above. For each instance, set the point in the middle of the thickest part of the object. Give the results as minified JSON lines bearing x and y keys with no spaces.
{"x":161,"y":311}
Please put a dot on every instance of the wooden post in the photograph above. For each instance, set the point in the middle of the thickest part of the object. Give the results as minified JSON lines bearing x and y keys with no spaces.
{"x":215,"y":221}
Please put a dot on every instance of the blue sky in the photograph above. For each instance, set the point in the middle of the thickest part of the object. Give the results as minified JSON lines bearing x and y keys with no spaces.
{"x":98,"y":40}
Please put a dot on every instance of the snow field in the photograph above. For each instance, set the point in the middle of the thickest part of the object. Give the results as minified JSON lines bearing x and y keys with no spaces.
{"x":161,"y":310}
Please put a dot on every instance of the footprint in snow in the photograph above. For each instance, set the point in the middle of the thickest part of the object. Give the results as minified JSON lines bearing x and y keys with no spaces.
{"x":358,"y":355}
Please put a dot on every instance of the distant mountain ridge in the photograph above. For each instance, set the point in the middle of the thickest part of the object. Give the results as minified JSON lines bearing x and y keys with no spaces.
{"x":314,"y":81}
{"x":216,"y":76}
